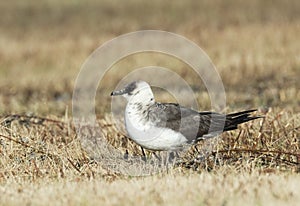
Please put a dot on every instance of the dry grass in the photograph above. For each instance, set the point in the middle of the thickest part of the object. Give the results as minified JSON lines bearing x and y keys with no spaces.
{"x":44,"y":156}
{"x":225,"y":187}
{"x":255,"y":47}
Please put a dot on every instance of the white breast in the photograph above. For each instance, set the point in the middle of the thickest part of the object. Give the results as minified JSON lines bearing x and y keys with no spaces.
{"x":146,"y":134}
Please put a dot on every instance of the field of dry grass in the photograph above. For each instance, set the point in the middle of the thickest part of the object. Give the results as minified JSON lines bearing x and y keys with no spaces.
{"x":255,"y":47}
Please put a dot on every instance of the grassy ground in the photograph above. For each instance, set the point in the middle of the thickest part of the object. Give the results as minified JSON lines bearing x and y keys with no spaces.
{"x":255,"y":47}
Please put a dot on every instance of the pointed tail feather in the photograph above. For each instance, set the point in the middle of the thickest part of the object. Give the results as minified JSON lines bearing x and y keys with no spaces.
{"x":234,"y":119}
{"x":240,"y":113}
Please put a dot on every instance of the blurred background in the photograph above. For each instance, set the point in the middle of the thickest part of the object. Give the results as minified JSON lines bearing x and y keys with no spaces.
{"x":254,"y":45}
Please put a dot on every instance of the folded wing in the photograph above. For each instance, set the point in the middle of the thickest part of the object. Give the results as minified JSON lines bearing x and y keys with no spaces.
{"x":196,"y":125}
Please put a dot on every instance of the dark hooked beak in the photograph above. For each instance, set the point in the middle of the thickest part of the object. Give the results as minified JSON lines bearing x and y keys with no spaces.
{"x":118,"y":92}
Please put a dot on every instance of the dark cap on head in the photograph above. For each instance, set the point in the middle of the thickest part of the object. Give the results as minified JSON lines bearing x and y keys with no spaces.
{"x":127,"y":90}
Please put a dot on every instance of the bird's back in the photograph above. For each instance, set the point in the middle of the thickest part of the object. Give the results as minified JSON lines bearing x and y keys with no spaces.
{"x":195,"y":125}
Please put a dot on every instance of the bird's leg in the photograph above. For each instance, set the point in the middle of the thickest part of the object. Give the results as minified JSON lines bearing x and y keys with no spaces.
{"x":126,"y":155}
{"x":144,"y":158}
{"x":155,"y":155}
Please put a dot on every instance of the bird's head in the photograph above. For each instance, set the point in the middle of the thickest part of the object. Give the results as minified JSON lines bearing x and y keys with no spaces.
{"x":136,"y":91}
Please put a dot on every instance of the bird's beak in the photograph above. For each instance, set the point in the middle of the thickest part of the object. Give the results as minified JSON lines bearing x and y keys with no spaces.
{"x":118,"y":92}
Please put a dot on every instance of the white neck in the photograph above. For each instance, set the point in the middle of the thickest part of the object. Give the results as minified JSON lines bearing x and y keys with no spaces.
{"x":136,"y":109}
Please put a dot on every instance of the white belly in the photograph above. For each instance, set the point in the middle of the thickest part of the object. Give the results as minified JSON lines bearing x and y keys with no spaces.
{"x":151,"y":137}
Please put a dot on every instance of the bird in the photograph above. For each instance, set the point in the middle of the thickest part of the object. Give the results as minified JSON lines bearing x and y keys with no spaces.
{"x":169,"y":126}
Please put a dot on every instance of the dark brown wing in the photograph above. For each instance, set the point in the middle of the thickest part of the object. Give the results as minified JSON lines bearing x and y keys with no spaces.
{"x":194,"y":125}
